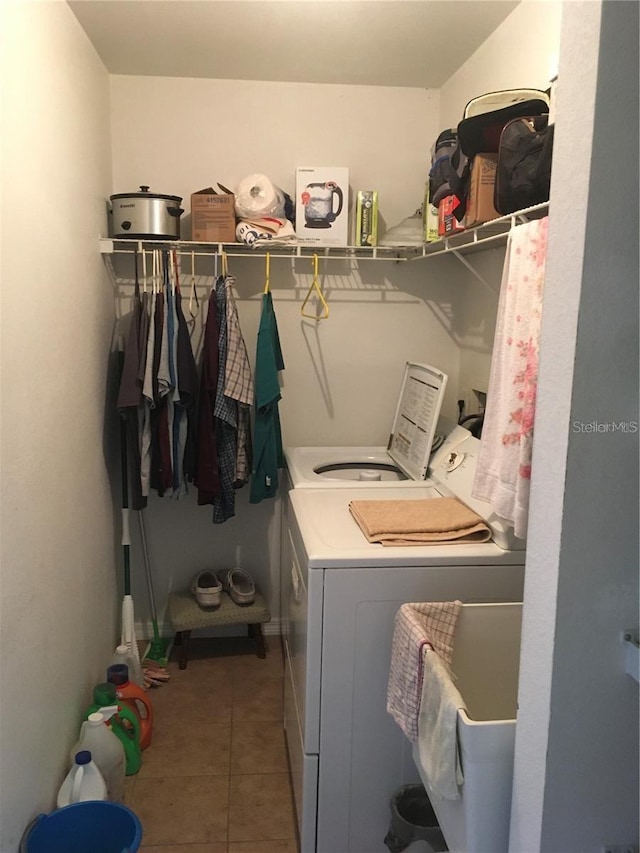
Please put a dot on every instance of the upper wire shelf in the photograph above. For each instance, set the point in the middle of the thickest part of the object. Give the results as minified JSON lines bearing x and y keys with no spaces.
{"x":484,"y":236}
{"x":127,"y":245}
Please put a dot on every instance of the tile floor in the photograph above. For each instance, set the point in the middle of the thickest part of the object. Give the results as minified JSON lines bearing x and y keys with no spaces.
{"x":215,"y":778}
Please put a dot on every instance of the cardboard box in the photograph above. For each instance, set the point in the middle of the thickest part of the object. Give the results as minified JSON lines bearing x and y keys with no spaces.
{"x":447,"y":223}
{"x":213,"y":217}
{"x":367,"y":218}
{"x":483,"y":179}
{"x":322,"y":205}
{"x":429,"y":219}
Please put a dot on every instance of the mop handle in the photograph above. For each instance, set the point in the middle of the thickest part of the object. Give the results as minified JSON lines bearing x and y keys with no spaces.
{"x":147,"y":567}
{"x":126,"y":532}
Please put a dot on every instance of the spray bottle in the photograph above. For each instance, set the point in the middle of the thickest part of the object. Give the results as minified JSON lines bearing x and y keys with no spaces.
{"x":106,"y":750}
{"x":135,"y":698}
{"x":125,"y":724}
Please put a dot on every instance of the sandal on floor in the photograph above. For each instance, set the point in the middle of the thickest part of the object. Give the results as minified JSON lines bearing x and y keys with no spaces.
{"x":239,"y":584}
{"x":207,"y":589}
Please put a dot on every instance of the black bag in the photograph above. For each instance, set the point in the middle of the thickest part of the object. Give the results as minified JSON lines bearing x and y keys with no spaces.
{"x":443,"y":173}
{"x":480,"y":134}
{"x":480,"y":129}
{"x":523,"y":174}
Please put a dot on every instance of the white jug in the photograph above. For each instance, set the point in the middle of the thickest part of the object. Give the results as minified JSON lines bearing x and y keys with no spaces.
{"x":83,"y":782}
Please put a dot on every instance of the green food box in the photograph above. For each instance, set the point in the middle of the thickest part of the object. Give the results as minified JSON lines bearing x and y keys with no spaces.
{"x":367,"y":218}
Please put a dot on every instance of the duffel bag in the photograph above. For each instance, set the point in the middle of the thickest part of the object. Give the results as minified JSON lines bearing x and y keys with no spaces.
{"x":523,"y":174}
{"x":480,"y":134}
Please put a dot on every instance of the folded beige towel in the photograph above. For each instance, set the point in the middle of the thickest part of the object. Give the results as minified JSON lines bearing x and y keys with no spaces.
{"x":419,"y":522}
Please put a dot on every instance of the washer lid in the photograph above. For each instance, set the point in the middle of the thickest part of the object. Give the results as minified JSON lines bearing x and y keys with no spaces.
{"x":416,"y":417}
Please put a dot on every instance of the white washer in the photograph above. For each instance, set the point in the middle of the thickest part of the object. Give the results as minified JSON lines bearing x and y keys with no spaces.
{"x":408,"y":454}
{"x":341,"y":594}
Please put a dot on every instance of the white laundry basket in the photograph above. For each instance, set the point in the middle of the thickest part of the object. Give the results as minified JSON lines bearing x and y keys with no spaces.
{"x":486,"y":659}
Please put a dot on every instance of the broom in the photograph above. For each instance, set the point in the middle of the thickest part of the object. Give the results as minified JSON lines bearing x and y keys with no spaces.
{"x":128,"y":635}
{"x":156,"y":656}
{"x":153,"y":676}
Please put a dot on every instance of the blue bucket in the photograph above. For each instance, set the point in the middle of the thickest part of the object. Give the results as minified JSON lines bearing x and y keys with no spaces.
{"x":94,"y":826}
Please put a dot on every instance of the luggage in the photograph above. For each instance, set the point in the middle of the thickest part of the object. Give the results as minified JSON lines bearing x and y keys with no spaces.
{"x":479,"y":133}
{"x":481,"y":127}
{"x":493,"y":101}
{"x":523,"y":174}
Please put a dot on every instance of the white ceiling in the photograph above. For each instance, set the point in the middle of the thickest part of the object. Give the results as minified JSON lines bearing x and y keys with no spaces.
{"x":369,"y":42}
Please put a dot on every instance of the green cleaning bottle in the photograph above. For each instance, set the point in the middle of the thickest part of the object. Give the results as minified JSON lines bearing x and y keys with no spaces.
{"x":124,"y":724}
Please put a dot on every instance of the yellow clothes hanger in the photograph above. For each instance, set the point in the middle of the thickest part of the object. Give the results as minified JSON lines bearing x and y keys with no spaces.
{"x":318,"y":293}
{"x":267,"y":286}
{"x":225,"y":264}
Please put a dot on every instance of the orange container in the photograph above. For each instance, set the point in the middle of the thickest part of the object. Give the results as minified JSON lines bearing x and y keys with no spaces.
{"x":135,"y":698}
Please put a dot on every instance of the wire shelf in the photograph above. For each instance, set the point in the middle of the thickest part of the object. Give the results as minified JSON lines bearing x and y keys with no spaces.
{"x":485,"y":236}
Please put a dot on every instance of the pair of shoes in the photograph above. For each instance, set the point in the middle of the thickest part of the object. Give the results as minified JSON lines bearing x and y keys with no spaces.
{"x":207,"y":589}
{"x":239,"y":584}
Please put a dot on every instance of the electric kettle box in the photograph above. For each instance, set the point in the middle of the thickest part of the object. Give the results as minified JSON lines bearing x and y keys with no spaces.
{"x":213,"y":217}
{"x":322,"y":205}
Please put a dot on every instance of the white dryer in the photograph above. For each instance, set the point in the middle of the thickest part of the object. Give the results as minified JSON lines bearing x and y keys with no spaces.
{"x":414,"y":443}
{"x":341,"y":594}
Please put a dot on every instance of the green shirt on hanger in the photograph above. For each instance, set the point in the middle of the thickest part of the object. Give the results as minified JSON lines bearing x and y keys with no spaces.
{"x":268,"y":455}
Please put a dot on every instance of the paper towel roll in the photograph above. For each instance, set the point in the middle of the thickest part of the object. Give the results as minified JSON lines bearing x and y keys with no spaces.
{"x":256,"y":196}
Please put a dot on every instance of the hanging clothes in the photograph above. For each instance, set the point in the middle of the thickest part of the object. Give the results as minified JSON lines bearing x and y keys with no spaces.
{"x":188,"y":385}
{"x":239,"y":386}
{"x":503,"y":475}
{"x":165,"y":385}
{"x":161,"y":473}
{"x":130,"y":400}
{"x":187,"y":428}
{"x":226,"y":418}
{"x":144,"y":377}
{"x":207,"y":479}
{"x":268,"y":454}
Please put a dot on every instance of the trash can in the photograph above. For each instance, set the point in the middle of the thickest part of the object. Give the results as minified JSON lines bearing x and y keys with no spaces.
{"x":413,"y":819}
{"x":94,"y":826}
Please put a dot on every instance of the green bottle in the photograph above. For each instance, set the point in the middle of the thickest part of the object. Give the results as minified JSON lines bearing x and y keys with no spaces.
{"x":124,"y":724}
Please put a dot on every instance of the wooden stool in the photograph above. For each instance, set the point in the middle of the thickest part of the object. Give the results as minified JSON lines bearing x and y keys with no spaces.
{"x":186,"y":616}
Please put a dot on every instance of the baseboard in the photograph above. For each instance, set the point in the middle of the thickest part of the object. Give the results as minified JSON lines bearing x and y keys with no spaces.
{"x":144,"y":630}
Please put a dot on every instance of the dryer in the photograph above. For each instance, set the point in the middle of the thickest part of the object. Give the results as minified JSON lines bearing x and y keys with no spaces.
{"x":341,"y":594}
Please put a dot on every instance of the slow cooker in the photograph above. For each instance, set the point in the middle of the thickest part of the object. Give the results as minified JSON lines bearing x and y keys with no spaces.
{"x":146,"y":215}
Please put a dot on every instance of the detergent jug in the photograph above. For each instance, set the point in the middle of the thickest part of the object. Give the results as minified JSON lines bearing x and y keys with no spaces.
{"x":135,"y":698}
{"x":106,"y":750}
{"x":83,"y":782}
{"x":125,"y":724}
{"x":123,"y":654}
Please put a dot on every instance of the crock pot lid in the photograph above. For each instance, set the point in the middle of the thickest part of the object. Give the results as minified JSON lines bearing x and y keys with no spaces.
{"x":146,"y":195}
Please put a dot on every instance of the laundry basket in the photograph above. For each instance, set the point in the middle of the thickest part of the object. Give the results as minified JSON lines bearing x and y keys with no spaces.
{"x":88,"y":827}
{"x":486,"y":658}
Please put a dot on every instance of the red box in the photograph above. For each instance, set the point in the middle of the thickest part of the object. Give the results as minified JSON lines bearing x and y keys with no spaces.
{"x":447,"y":223}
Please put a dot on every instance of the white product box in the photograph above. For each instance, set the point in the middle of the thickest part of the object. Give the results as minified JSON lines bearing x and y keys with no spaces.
{"x":322,"y":205}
